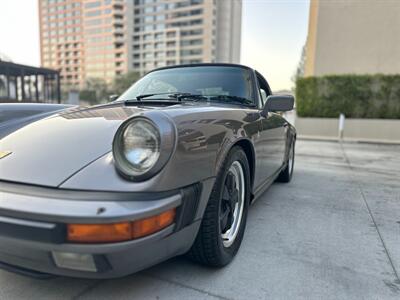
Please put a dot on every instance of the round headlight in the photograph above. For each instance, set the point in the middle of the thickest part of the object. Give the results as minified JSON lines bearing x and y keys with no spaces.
{"x":141,"y":146}
{"x":140,"y":149}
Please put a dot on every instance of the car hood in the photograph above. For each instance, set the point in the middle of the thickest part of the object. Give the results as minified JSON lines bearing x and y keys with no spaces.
{"x":49,"y":151}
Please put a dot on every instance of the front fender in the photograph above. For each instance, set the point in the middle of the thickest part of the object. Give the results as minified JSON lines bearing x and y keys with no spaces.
{"x":203,"y":141}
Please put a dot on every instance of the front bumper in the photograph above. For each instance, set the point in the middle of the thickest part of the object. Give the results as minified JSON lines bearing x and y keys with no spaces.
{"x":33,"y":222}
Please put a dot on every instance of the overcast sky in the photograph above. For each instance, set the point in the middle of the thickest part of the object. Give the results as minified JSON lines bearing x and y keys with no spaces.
{"x":273,"y":34}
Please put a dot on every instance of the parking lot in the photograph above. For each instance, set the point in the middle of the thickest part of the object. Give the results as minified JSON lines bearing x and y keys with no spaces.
{"x":332,"y":233}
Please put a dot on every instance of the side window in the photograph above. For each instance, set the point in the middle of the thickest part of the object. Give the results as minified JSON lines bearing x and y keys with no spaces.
{"x":263,"y":94}
{"x":264,"y":89}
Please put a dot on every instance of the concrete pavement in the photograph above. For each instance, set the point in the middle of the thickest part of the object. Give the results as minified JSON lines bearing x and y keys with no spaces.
{"x":332,"y":233}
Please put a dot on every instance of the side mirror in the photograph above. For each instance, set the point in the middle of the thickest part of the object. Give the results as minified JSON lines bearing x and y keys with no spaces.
{"x":113,"y":98}
{"x":278,"y":103}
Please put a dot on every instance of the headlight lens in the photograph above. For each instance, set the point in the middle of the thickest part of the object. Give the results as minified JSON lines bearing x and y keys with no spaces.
{"x":142,"y":146}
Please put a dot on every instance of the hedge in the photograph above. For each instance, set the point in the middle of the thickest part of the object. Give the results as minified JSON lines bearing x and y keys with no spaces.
{"x":357,"y":96}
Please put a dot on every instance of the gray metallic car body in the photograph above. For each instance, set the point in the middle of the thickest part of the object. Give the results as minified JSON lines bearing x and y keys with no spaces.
{"x":61,"y":170}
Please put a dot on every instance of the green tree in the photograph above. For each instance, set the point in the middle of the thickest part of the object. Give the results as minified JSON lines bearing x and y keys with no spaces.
{"x":88,"y":96}
{"x":96,"y":91}
{"x":123,"y":82}
{"x":100,"y":86}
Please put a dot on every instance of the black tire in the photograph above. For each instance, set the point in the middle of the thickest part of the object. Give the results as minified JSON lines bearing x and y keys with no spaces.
{"x":209,"y":248}
{"x":287,"y":173}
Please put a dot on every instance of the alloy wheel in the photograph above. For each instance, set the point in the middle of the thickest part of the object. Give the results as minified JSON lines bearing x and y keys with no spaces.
{"x":232,"y":203}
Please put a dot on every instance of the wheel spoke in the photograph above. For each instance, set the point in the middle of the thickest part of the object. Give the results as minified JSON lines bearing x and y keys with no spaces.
{"x":230,"y":182}
{"x":224,"y":220}
{"x":234,"y":197}
{"x":230,"y":219}
{"x":225,"y":194}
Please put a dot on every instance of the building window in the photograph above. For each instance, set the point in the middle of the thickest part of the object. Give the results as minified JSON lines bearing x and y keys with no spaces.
{"x":171,"y":44}
{"x":92,"y":4}
{"x":191,"y":42}
{"x":191,"y":52}
{"x":93,"y":22}
{"x":93,"y":13}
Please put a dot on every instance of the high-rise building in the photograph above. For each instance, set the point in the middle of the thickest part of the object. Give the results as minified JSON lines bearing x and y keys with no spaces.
{"x":61,"y":39}
{"x":83,"y":39}
{"x":105,"y":38}
{"x":185,"y":32}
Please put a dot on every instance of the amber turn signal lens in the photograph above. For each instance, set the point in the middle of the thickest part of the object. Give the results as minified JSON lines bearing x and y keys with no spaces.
{"x":96,"y":233}
{"x":151,"y":225}
{"x":119,"y":232}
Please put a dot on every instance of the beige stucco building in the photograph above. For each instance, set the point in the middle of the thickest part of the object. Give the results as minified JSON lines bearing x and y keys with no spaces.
{"x":353,"y":37}
{"x":104,"y":38}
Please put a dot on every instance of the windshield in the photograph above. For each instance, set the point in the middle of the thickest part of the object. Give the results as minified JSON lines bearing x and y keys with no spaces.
{"x":206,"y":81}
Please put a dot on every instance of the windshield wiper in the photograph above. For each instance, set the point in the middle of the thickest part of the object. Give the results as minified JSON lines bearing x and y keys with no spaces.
{"x":169,"y":94}
{"x":198,"y":97}
{"x":236,"y":99}
{"x":219,"y":98}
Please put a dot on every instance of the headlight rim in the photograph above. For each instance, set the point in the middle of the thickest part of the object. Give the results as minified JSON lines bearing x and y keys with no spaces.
{"x":167,"y":134}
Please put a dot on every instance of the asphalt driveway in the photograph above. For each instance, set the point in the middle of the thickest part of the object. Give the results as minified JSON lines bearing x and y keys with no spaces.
{"x":332,"y":233}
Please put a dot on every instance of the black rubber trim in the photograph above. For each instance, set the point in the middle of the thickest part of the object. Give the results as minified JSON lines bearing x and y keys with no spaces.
{"x":25,"y":272}
{"x":102,"y":264}
{"x":32,"y":230}
{"x":202,"y":65}
{"x":57,"y":193}
{"x":187,"y":210}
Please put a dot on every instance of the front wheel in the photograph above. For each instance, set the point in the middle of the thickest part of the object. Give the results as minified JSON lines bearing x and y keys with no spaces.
{"x":224,"y":221}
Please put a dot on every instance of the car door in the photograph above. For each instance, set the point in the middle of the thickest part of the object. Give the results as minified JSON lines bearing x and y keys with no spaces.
{"x":271,"y":141}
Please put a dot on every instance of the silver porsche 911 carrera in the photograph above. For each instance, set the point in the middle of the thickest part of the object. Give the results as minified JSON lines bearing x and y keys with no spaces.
{"x":170,"y":167}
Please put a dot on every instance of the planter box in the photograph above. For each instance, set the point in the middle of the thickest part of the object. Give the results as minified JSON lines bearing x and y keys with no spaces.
{"x":368,"y":130}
